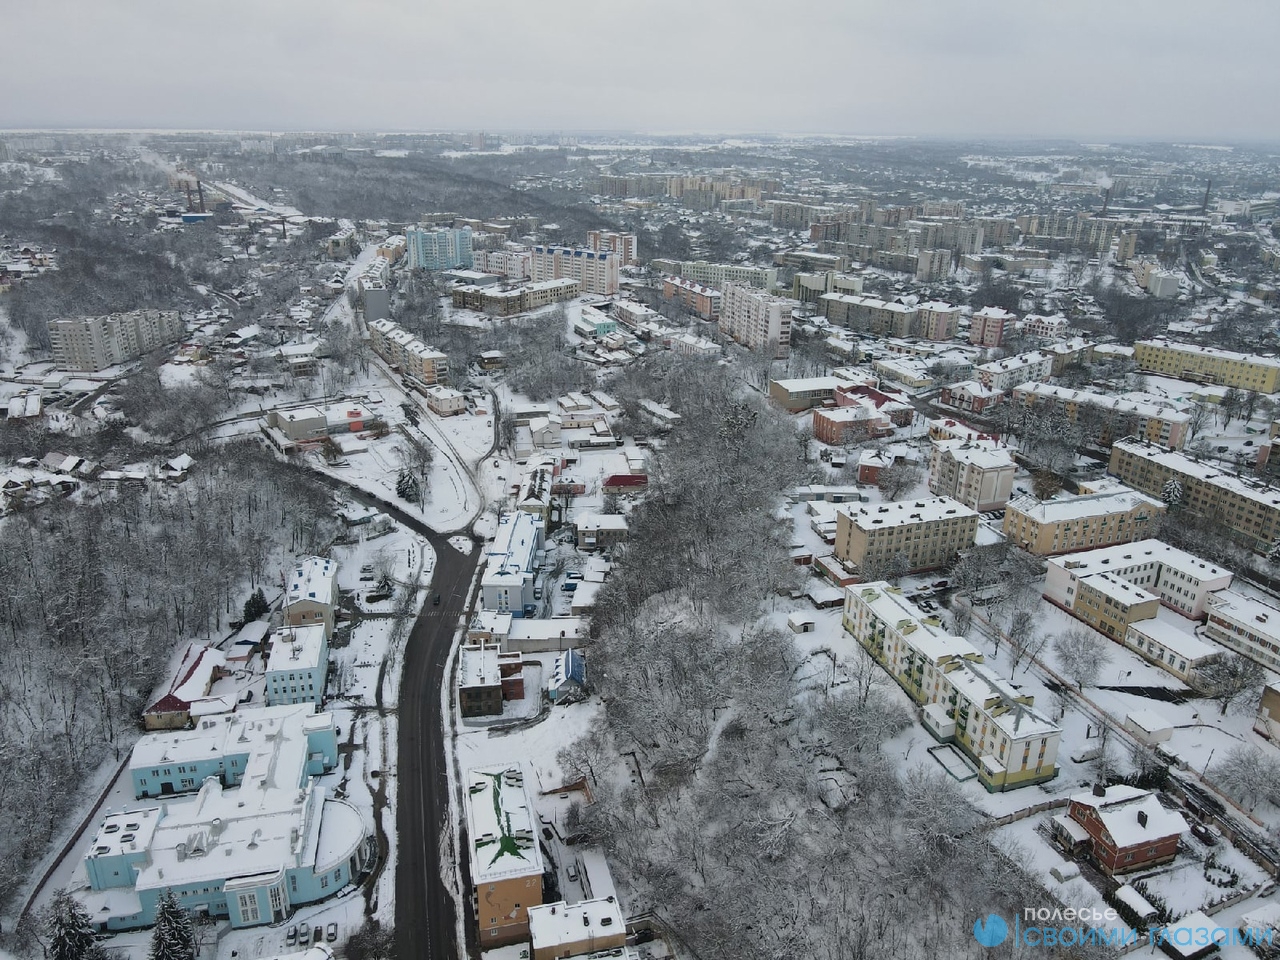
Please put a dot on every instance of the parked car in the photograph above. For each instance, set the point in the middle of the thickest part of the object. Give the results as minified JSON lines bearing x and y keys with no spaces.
{"x":291,"y":937}
{"x":572,"y":872}
{"x":435,"y":602}
{"x":573,"y":575}
{"x":304,"y":931}
{"x":568,"y":587}
{"x":331,"y":932}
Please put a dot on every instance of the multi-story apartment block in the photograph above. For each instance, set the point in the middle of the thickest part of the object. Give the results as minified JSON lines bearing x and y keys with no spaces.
{"x":498,"y":302}
{"x":1126,"y":246}
{"x":1249,"y":511}
{"x":597,"y":272}
{"x":1189,"y":361}
{"x":971,"y":396}
{"x":506,"y":862}
{"x":917,"y":534}
{"x":933,"y":265}
{"x":1111,"y":417}
{"x":438,"y":248}
{"x":393,"y":247}
{"x":989,"y":325}
{"x":1068,"y":352}
{"x":508,"y":582}
{"x":297,"y":666}
{"x":90,"y":344}
{"x":756,"y":320}
{"x":976,"y":472}
{"x":964,"y":703}
{"x":694,"y":297}
{"x":1047,"y":328}
{"x":870,"y":314}
{"x":1048,"y":527}
{"x":1004,"y":375}
{"x":622,"y":244}
{"x":1111,"y":587}
{"x":1246,"y":625}
{"x":938,"y":321}
{"x":510,"y":261}
{"x":402,"y":349}
{"x":719,"y":274}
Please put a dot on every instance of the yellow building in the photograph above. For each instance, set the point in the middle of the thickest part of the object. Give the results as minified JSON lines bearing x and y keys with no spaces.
{"x":915,"y":534}
{"x":402,"y":349}
{"x":1109,"y":604}
{"x":1080,"y":523}
{"x":963,"y":702}
{"x":1188,"y":361}
{"x":506,"y":862}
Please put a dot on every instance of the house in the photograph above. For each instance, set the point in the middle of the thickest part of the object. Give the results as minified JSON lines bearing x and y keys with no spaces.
{"x":488,"y":677}
{"x":1124,"y":828}
{"x":444,"y":401}
{"x":971,"y":396}
{"x":311,"y":593}
{"x":298,"y":665}
{"x":559,"y":930}
{"x":625,"y":483}
{"x":600,"y":530}
{"x":201,"y":665}
{"x":502,"y":844}
{"x":568,"y":675}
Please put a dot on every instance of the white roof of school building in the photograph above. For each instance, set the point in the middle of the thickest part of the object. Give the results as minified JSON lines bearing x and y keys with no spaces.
{"x":1081,"y":508}
{"x":876,"y":516}
{"x":1117,"y":588}
{"x":1261,"y":618}
{"x":1138,"y":408}
{"x":296,"y":648}
{"x":312,"y":579}
{"x":553,"y":924}
{"x":1170,"y":635}
{"x":502,"y":828}
{"x":1126,"y":556}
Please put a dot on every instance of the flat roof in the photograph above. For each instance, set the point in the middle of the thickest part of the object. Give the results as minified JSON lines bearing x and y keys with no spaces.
{"x":877,"y":516}
{"x":312,"y":579}
{"x":502,"y":828}
{"x":553,"y":924}
{"x":1128,"y":556}
{"x":297,"y":648}
{"x":1079,"y":508}
{"x":1172,"y":636}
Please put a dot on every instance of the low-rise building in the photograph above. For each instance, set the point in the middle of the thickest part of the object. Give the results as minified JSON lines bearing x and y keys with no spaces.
{"x":978,"y":473}
{"x":506,"y":862}
{"x":1004,"y":375}
{"x":591,"y":927}
{"x":444,"y":401}
{"x":297,"y":665}
{"x":1067,"y":353}
{"x":963,"y":702}
{"x":600,"y":531}
{"x":687,"y":345}
{"x":311,"y":594}
{"x":1267,"y":722}
{"x":508,"y":582}
{"x":802,"y":393}
{"x":1121,"y":828}
{"x":849,"y":423}
{"x":487,"y":678}
{"x":1246,"y":625}
{"x":1170,"y":647}
{"x":1065,"y":525}
{"x":200,"y":667}
{"x":915,"y":535}
{"x":971,"y":396}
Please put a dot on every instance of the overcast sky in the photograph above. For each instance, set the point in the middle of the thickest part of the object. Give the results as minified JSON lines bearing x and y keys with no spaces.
{"x":1164,"y":69}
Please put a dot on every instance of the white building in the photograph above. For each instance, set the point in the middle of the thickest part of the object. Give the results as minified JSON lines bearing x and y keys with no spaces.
{"x":978,"y":473}
{"x":756,"y":320}
{"x":90,"y":344}
{"x":1248,"y":626}
{"x":508,"y":582}
{"x":445,"y":401}
{"x":297,"y":666}
{"x":1004,"y":375}
{"x":312,"y":593}
{"x":596,"y":272}
{"x":1170,"y":647}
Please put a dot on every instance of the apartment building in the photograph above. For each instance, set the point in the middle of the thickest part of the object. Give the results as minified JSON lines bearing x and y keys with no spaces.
{"x":702,"y":301}
{"x":511,"y":261}
{"x":297,"y":665}
{"x":756,"y":320}
{"x":588,"y":928}
{"x":438,"y":248}
{"x":508,"y":582}
{"x":1246,"y":625}
{"x":963,"y":702}
{"x":90,"y":344}
{"x":988,"y":326}
{"x":1126,"y":246}
{"x":1249,"y":511}
{"x":719,"y":274}
{"x":920,"y":534}
{"x":311,"y":593}
{"x":401,"y":349}
{"x":937,"y":320}
{"x":809,"y":287}
{"x":392,"y":248}
{"x":977,"y":473}
{"x":1065,"y":353}
{"x":933,"y":265}
{"x":1048,"y":527}
{"x":1189,"y":361}
{"x":623,"y":245}
{"x":853,"y":422}
{"x":1046,"y":328}
{"x":870,"y":314}
{"x":1004,"y":375}
{"x":503,"y":846}
{"x":1111,"y":417}
{"x":1110,"y":587}
{"x":597,"y":272}
{"x":970,"y":396}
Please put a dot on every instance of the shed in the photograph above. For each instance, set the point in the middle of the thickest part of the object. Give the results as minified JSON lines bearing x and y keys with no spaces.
{"x":1148,"y":726}
{"x":800,"y":623}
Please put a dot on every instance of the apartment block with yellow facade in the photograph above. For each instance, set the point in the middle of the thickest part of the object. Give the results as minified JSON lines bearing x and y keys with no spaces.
{"x":1109,"y":418}
{"x":919,"y":534}
{"x":1248,"y":511}
{"x":1189,"y":361}
{"x":963,"y":702}
{"x":506,"y":862}
{"x":1049,"y":527}
{"x":402,"y":349}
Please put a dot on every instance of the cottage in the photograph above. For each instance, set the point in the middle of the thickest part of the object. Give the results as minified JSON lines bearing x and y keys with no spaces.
{"x":1121,"y":828}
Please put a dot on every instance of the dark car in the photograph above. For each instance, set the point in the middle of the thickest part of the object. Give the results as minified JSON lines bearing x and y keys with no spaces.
{"x":435,"y":602}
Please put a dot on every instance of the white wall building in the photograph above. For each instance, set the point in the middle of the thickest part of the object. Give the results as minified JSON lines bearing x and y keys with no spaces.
{"x":297,"y":666}
{"x":756,"y":320}
{"x":507,"y":585}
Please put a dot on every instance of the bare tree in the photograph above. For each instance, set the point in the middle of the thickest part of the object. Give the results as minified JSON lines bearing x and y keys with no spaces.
{"x":898,"y":479}
{"x":1230,"y":681}
{"x":1025,"y":641}
{"x":1247,"y":774}
{"x":1081,"y":656}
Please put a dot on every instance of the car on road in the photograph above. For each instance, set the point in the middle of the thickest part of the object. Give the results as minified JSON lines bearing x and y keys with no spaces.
{"x":435,"y":602}
{"x":572,"y":871}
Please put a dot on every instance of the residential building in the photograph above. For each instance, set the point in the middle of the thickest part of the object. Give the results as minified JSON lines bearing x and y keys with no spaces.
{"x":445,"y":402}
{"x":1189,"y":361}
{"x":934,"y":265}
{"x":946,"y":429}
{"x":1170,"y":647}
{"x":1246,"y":625}
{"x":988,"y":326}
{"x":188,"y":694}
{"x":392,"y":248}
{"x":756,"y":320}
{"x":719,"y":274}
{"x":809,"y":287}
{"x":1121,"y":828}
{"x":963,"y":702}
{"x":908,"y":371}
{"x":870,"y":314}
{"x":1108,"y":418}
{"x":503,"y":846}
{"x":978,"y":473}
{"x":937,"y":320}
{"x":90,"y":344}
{"x":311,"y":593}
{"x":915,"y":535}
{"x":1110,"y":587}
{"x":1046,"y":328}
{"x":851,"y":423}
{"x":1267,"y":722}
{"x":401,"y":349}
{"x":487,"y":678}
{"x":1068,"y":352}
{"x":1004,"y":375}
{"x":609,"y":241}
{"x":600,"y":531}
{"x":297,"y":665}
{"x":508,"y":581}
{"x":512,"y":261}
{"x":1248,"y":510}
{"x":1065,"y":525}
{"x":701,"y":301}
{"x":438,"y":248}
{"x":250,"y":853}
{"x":687,"y":345}
{"x":971,"y":396}
{"x":1126,"y":246}
{"x":596,"y":272}
{"x":591,"y":927}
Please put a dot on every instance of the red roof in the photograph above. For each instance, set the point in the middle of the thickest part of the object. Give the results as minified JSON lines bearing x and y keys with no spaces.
{"x":627,"y":480}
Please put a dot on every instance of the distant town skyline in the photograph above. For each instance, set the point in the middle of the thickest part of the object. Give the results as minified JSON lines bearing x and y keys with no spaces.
{"x":1085,"y":69}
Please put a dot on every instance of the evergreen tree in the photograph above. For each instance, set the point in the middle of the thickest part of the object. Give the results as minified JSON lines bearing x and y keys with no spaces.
{"x":1273,"y":554}
{"x":173,"y":938}
{"x":256,"y":606}
{"x":69,"y":927}
{"x":1171,"y":493}
{"x":407,"y":486}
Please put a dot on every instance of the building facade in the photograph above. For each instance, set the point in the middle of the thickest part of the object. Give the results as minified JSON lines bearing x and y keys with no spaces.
{"x":758,"y":321}
{"x":1048,"y":527}
{"x":988,"y":326}
{"x":297,"y":666}
{"x":1189,"y":361}
{"x":399,"y":348}
{"x":90,"y":344}
{"x":438,"y":248}
{"x":977,"y":473}
{"x":506,"y":862}
{"x":610,"y":241}
{"x":1109,"y":418}
{"x":915,"y":535}
{"x":596,"y":272}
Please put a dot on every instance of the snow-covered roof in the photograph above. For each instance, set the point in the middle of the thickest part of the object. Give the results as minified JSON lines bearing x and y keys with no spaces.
{"x":478,"y":667}
{"x":878,"y":516}
{"x":1139,"y":408}
{"x":554,"y":924}
{"x":502,"y":827}
{"x":1135,"y":901}
{"x":512,"y":551}
{"x":313,"y":579}
{"x":1124,"y":557}
{"x":1119,"y":808}
{"x":1189,"y":936}
{"x":1115,"y":587}
{"x":601,"y":521}
{"x":1148,"y":720}
{"x":1082,"y":508}
{"x":297,"y":648}
{"x":1169,"y":635}
{"x":1262,"y":619}
{"x":982,"y":685}
{"x":1213,"y":352}
{"x":1176,"y":462}
{"x":192,"y":679}
{"x":979,"y":453}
